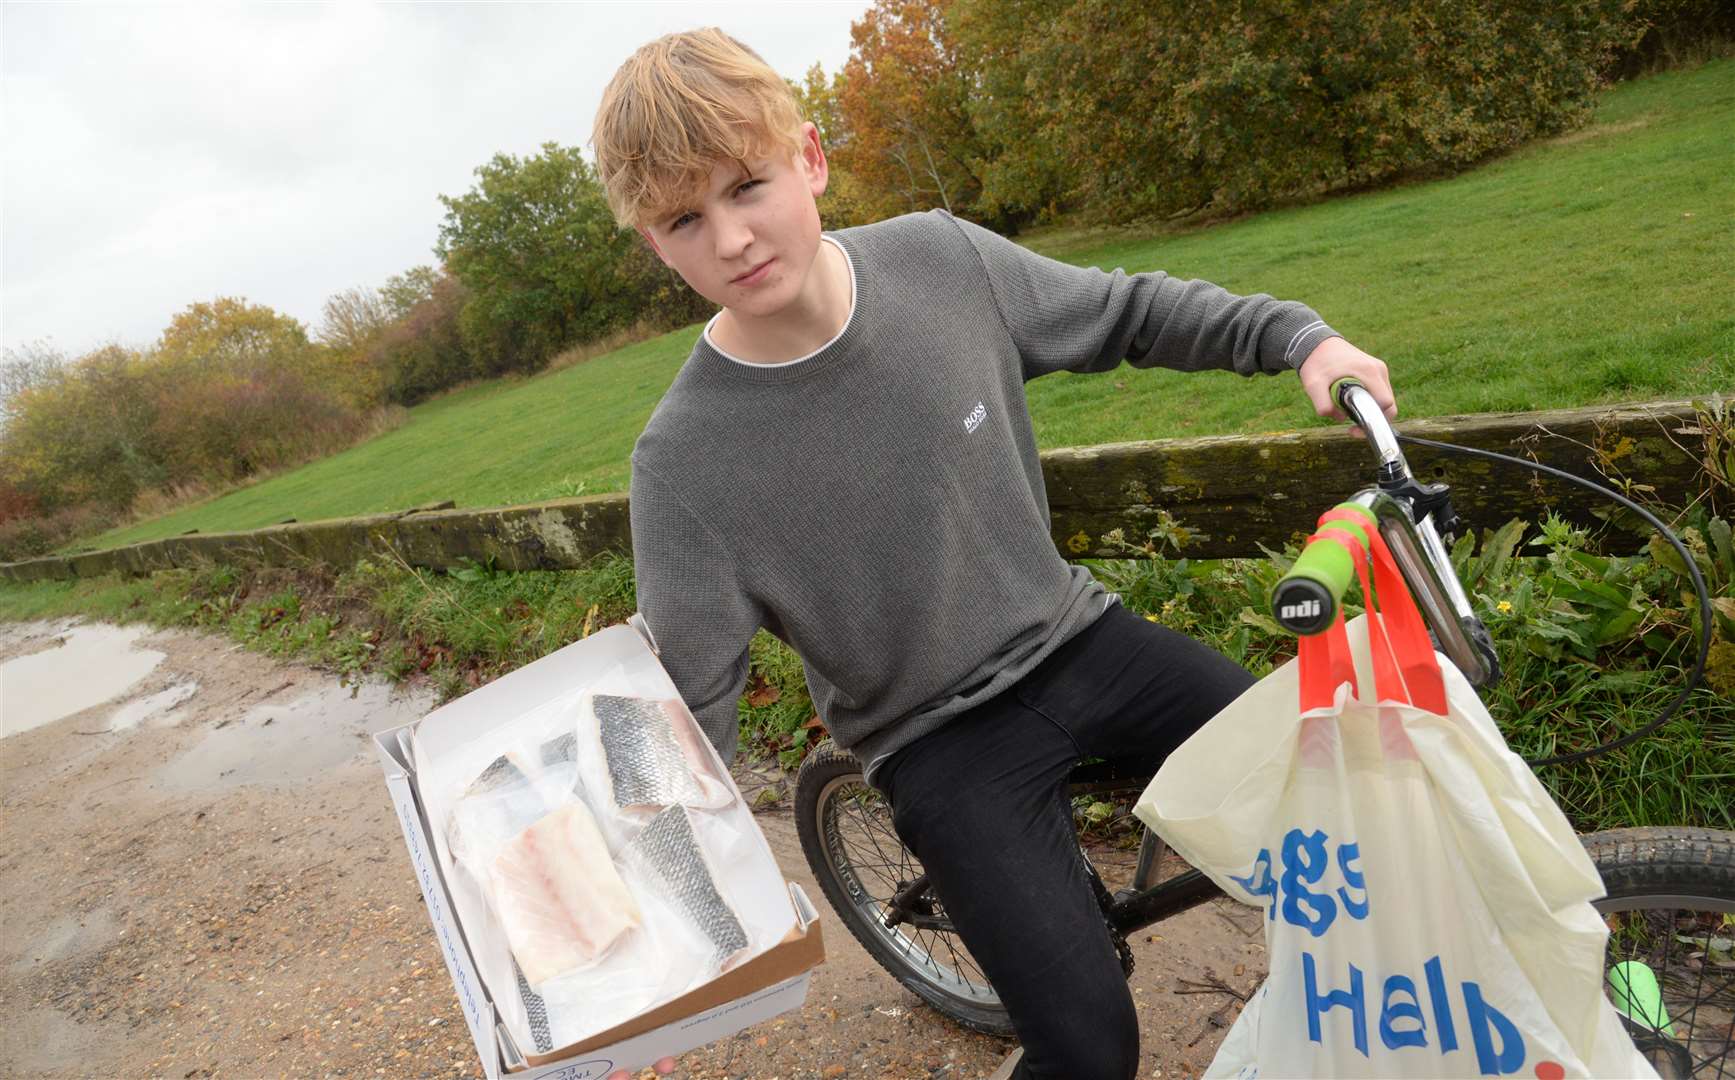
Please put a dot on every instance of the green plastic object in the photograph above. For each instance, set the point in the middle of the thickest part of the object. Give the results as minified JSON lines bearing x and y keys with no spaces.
{"x":1306,"y":600}
{"x":1337,"y":388}
{"x":1327,"y":563}
{"x":1632,"y":987}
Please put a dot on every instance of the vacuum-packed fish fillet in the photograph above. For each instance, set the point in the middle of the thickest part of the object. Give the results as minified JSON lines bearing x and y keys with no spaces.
{"x":669,"y":849}
{"x":559,"y":750}
{"x":499,"y":804}
{"x":559,"y":757}
{"x":535,"y":1012}
{"x":654,"y":756}
{"x":558,"y":895}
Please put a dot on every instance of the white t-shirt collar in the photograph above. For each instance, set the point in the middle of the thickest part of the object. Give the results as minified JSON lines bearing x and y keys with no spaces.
{"x":834,"y":242}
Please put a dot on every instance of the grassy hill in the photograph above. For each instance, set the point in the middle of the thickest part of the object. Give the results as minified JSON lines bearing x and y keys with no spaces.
{"x":1592,"y":267}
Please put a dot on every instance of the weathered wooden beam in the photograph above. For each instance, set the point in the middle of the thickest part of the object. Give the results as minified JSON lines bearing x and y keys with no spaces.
{"x":1231,"y":493}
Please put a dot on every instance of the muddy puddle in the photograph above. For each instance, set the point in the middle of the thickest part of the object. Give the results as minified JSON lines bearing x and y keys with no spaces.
{"x":81,"y":668}
{"x":158,"y":707}
{"x":292,"y":741}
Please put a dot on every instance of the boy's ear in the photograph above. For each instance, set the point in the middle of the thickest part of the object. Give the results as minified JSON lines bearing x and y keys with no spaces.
{"x":812,"y":157}
{"x":652,"y":241}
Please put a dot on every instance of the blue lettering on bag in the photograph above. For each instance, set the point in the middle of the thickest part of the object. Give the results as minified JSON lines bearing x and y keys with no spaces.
{"x":1499,"y":1045}
{"x":1354,"y":908}
{"x":1442,"y":1006}
{"x":1304,"y":863}
{"x":1351,"y":999}
{"x":1391,"y":1011}
{"x":1483,"y":1015}
{"x":1265,"y":886}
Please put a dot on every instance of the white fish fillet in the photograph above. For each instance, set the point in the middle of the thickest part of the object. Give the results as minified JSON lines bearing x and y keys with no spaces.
{"x":558,"y":895}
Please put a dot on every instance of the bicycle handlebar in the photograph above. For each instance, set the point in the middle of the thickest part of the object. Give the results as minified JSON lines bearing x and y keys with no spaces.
{"x":1307,"y":599}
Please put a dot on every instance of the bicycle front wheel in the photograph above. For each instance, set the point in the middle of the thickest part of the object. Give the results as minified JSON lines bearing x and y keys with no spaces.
{"x":1670,"y":967}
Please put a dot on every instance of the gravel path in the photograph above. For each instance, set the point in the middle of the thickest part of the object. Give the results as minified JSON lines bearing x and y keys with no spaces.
{"x":221,"y":889}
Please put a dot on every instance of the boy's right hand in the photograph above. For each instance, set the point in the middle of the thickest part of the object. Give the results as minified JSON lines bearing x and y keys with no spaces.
{"x":1334,"y":359}
{"x":663,"y":1067}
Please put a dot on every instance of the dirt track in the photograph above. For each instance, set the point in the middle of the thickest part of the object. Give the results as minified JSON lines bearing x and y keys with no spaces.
{"x":222,"y":890}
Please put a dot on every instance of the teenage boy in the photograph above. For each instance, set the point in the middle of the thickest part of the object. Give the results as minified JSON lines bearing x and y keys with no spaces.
{"x":847,"y":460}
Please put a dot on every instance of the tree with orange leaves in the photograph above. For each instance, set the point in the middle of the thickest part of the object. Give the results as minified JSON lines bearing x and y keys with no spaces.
{"x":903,"y":98}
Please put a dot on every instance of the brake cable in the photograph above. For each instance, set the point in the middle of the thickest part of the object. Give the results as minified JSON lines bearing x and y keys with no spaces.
{"x":1696,"y":676}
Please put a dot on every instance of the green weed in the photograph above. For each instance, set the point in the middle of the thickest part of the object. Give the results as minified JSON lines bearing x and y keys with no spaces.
{"x":1592,"y":647}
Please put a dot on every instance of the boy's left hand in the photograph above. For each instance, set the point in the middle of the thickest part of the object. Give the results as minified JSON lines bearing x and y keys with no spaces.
{"x":1335,"y":358}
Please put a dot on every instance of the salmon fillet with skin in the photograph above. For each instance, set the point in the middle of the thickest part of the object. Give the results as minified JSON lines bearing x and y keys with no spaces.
{"x":558,"y":895}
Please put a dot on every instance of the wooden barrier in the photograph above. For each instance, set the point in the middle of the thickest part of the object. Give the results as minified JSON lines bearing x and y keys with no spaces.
{"x":1230,"y":493}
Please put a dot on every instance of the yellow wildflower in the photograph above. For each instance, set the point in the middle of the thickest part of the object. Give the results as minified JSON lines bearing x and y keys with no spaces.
{"x":1503,"y":606}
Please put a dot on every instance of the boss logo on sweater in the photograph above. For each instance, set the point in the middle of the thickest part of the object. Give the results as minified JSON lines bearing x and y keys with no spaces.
{"x":977,"y":415}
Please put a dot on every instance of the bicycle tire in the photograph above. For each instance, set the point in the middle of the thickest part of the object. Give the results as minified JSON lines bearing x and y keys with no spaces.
{"x":837,"y":816}
{"x":1671,"y":897}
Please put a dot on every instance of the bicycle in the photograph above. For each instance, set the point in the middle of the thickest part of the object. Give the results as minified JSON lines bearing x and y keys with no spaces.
{"x":1671,"y":891}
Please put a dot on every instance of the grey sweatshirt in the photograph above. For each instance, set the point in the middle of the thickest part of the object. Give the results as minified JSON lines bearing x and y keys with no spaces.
{"x":879,"y":505}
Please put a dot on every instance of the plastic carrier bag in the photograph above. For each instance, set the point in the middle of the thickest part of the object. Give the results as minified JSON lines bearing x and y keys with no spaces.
{"x":1427,"y":906}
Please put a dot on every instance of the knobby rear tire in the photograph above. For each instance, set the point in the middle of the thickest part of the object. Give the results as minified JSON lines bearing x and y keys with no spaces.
{"x":1671,"y":900}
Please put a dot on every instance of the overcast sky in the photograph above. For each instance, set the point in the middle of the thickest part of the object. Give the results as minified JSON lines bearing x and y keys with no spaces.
{"x":156,"y":155}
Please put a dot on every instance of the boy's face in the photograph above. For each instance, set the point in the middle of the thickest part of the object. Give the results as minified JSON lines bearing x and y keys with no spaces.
{"x":748,"y":239}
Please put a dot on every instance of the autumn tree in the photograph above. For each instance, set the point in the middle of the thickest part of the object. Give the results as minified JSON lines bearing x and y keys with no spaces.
{"x":1022,"y":116}
{"x":23,"y":367}
{"x":1138,"y":108}
{"x":230,"y":334}
{"x":240,"y":389}
{"x":903,"y":99}
{"x":87,"y":433}
{"x":401,"y":292}
{"x":351,"y":322}
{"x":819,"y":100}
{"x":422,"y":352}
{"x":351,"y":319}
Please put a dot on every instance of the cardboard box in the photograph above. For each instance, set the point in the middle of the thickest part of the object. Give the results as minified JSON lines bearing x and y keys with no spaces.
{"x":773,"y":982}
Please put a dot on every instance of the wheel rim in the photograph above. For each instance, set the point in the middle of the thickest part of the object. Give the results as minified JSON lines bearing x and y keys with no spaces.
{"x":866,"y":858}
{"x":1688,"y":944}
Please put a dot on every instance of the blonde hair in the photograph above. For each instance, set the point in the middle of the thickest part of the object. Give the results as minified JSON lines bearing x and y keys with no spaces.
{"x":678,"y":107}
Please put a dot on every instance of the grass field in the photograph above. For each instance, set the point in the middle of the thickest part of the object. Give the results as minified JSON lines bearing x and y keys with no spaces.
{"x":1589,"y":268}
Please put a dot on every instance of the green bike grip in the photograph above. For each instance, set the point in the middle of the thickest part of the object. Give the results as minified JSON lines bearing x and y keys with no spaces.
{"x":1307,"y":599}
{"x":1341,"y":385}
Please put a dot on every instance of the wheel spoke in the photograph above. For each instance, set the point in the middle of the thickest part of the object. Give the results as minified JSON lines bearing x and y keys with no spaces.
{"x":874,"y":866}
{"x":1697,"y":995}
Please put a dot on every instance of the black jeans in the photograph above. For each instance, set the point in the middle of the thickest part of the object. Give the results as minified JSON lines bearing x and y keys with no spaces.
{"x":982,"y":802}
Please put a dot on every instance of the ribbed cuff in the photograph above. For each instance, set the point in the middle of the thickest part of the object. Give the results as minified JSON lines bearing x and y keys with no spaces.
{"x":1293,"y":337}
